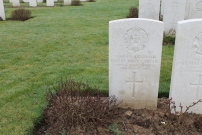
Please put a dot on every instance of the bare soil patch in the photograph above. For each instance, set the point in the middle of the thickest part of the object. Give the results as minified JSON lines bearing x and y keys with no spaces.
{"x":140,"y":121}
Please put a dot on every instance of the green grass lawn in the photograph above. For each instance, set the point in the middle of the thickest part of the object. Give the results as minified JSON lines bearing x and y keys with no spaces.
{"x":60,"y":41}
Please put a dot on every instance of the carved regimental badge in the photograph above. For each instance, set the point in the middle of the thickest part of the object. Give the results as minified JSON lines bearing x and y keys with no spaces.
{"x":199,"y":6}
{"x":136,"y":39}
{"x":197,"y":44}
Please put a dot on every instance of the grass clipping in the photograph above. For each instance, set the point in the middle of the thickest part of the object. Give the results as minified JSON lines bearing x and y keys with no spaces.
{"x":75,"y":104}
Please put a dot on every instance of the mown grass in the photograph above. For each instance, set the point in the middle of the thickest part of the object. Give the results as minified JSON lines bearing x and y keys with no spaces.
{"x":166,"y":69}
{"x":60,"y":41}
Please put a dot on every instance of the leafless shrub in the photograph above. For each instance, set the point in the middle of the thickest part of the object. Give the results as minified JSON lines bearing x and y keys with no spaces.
{"x":76,"y":3}
{"x":21,"y":14}
{"x":198,"y":124}
{"x":75,"y":104}
{"x":133,"y":12}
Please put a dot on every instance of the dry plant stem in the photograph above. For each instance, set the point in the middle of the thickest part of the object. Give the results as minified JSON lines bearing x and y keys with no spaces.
{"x":171,"y":105}
{"x":193,"y":104}
{"x":124,"y":125}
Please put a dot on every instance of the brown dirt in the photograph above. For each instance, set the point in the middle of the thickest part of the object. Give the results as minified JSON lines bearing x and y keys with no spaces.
{"x":143,"y":121}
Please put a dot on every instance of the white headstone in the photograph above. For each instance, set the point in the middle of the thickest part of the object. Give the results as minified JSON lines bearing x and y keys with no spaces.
{"x":149,"y":9}
{"x":186,"y":80}
{"x":67,"y":2}
{"x":16,"y":3}
{"x":32,"y":3}
{"x":174,"y":11}
{"x":135,"y":47}
{"x":82,"y":0}
{"x":193,"y":9}
{"x":49,"y":2}
{"x":2,"y":11}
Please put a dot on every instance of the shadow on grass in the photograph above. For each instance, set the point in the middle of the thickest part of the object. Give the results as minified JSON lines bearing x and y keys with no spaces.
{"x":11,"y":19}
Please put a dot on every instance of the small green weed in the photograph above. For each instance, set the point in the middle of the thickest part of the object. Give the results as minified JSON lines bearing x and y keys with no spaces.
{"x":63,"y":132}
{"x":168,"y":40}
{"x":115,"y":128}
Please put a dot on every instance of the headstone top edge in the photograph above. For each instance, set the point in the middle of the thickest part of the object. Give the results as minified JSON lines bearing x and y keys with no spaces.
{"x":190,"y":20}
{"x":135,"y":19}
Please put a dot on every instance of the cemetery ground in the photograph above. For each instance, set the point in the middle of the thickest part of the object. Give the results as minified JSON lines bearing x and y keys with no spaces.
{"x":60,"y":41}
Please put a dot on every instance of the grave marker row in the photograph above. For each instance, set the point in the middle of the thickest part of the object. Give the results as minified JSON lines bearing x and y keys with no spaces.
{"x":173,"y":11}
{"x":33,"y":3}
{"x":193,"y":9}
{"x":135,"y":47}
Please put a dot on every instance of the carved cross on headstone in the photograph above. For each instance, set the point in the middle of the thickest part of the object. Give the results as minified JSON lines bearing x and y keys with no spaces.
{"x":134,"y":81}
{"x":198,"y":86}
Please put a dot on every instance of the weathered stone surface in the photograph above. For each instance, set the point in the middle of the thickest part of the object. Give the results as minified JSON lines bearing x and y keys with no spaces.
{"x":193,"y":9}
{"x":2,"y":11}
{"x":67,"y":2}
{"x":50,"y":3}
{"x":135,"y":47}
{"x":15,"y":3}
{"x":32,"y":3}
{"x":186,"y":81}
{"x":174,"y":10}
{"x":149,"y":9}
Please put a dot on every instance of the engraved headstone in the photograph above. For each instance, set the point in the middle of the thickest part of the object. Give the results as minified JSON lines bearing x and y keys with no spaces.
{"x":49,"y":2}
{"x":2,"y":11}
{"x":25,"y":0}
{"x":193,"y":9}
{"x":186,"y":80}
{"x":174,"y":11}
{"x":67,"y":2}
{"x":15,"y":3}
{"x":135,"y":47}
{"x":149,"y":9}
{"x":32,"y":3}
